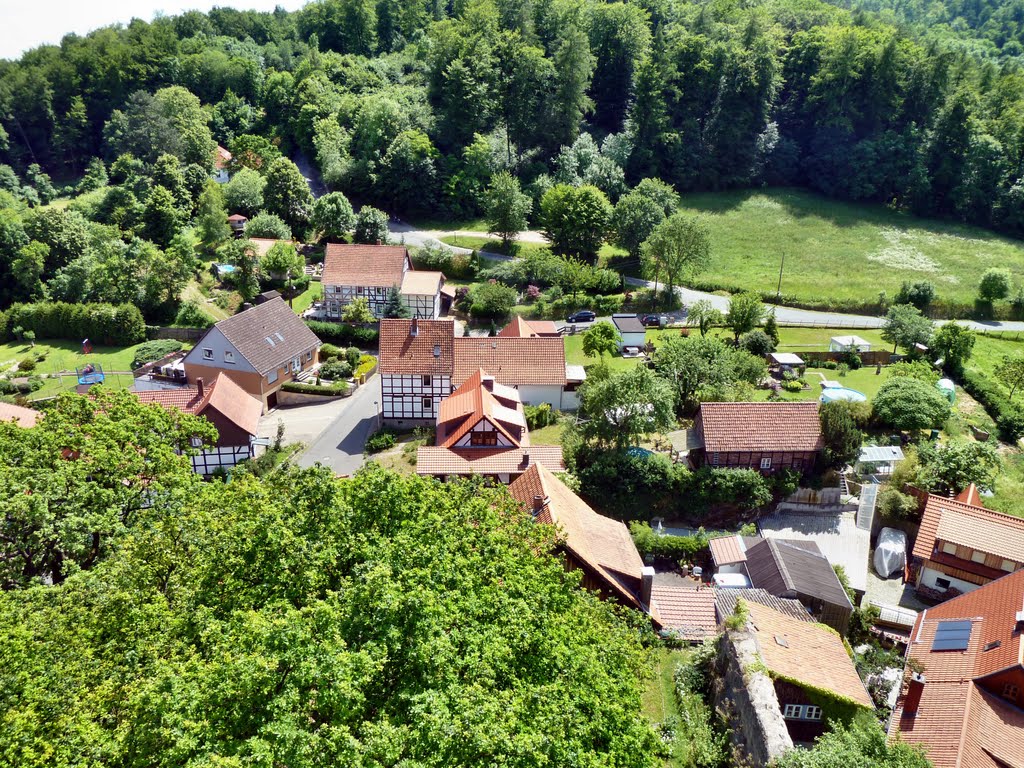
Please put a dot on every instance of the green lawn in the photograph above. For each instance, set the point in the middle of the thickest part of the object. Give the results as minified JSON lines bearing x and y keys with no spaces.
{"x":574,"y":355}
{"x":446,"y":225}
{"x":842,"y":251}
{"x":65,"y":356}
{"x":549,"y":435}
{"x":659,"y":700}
{"x":304,"y":300}
{"x":1009,"y":490}
{"x":864,"y":380}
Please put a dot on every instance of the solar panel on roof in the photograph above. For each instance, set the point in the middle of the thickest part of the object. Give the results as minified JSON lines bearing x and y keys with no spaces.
{"x":952,"y":636}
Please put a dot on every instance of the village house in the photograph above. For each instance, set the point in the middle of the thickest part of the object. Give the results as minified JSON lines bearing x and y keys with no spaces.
{"x":23,"y":417}
{"x":797,"y":570}
{"x":963,"y":687}
{"x":528,"y":329}
{"x":221,"y":159}
{"x":632,"y":334}
{"x":533,"y":365}
{"x":234,"y":412}
{"x":765,"y":437}
{"x":809,"y":670}
{"x":416,"y":366}
{"x":481,"y":430}
{"x":237,"y":223}
{"x":370,"y":272}
{"x":961,"y":546}
{"x":259,"y":349}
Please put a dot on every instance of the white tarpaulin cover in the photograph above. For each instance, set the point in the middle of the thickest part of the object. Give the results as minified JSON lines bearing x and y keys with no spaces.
{"x":890,"y":552}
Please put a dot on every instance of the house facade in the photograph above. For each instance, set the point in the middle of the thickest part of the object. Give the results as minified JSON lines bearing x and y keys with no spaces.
{"x":370,"y":272}
{"x":535,"y":366}
{"x":765,"y":437}
{"x":232,"y":411}
{"x":221,"y":158}
{"x":961,"y":546}
{"x":259,"y":349}
{"x":416,"y":366}
{"x":962,"y":698}
{"x":631,"y":331}
{"x":481,"y":431}
{"x":421,"y":293}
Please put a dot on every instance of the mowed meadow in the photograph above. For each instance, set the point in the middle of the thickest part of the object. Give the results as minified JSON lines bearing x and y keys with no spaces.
{"x":841,"y":253}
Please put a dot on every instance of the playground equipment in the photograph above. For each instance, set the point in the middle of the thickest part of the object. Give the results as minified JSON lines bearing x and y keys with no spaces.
{"x":91,"y":373}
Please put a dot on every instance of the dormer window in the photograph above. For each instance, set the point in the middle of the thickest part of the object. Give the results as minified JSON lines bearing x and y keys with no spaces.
{"x":1011,"y":692}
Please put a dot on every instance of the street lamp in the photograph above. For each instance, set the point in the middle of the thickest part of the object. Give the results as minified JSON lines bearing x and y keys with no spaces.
{"x":376,"y":413}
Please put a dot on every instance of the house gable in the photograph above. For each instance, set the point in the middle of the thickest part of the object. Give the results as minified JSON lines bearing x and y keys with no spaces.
{"x":213,"y":350}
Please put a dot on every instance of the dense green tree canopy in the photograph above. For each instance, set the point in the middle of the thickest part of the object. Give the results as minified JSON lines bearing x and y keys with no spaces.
{"x":910,"y":404}
{"x":306,"y":621}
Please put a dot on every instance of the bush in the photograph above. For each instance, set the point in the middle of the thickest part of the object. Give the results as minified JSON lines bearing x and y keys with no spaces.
{"x":920,"y":294}
{"x":792,"y":385}
{"x":757,"y":342}
{"x":337,"y":388}
{"x":710,"y":486}
{"x":191,"y":315}
{"x":678,"y":548}
{"x":352,"y":356}
{"x":492,"y":300}
{"x":27,"y":364}
{"x":381,"y":441}
{"x":119,"y":325}
{"x":154,"y":350}
{"x":1008,"y":417}
{"x":440,"y":258}
{"x":852,"y":360}
{"x":340,"y":333}
{"x":366,"y":364}
{"x":909,"y":404}
{"x":335,"y":370}
{"x":606,"y":281}
{"x":268,"y":225}
{"x":540,"y":416}
{"x":894,"y":505}
{"x":329,"y":352}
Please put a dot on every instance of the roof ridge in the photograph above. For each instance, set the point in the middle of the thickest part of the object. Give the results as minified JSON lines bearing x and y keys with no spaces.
{"x":780,"y":563}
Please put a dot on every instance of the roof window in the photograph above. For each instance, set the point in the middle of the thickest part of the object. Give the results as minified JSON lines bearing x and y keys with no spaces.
{"x":952,"y":636}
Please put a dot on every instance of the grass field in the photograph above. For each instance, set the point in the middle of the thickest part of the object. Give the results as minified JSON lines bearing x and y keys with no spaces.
{"x":842,"y":251}
{"x":65,"y":356}
{"x":304,"y":300}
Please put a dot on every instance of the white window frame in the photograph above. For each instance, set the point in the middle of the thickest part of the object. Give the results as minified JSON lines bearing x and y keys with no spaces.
{"x":714,"y":459}
{"x":766,"y":462}
{"x":272,"y":376}
{"x":1009,"y":566}
{"x":428,"y":404}
{"x":812,"y":712}
{"x":229,"y":356}
{"x":296,"y":364}
{"x":978,"y":557}
{"x":793,"y":712}
{"x":207,"y":353}
{"x":949,"y":549}
{"x":195,"y":442}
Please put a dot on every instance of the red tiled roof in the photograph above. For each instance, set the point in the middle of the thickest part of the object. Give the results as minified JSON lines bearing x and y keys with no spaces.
{"x":524,"y":329}
{"x":727,"y":550}
{"x":403,"y":353}
{"x":221,"y":158}
{"x":602,"y":544}
{"x":472,"y":402}
{"x":435,"y":460}
{"x":971,"y":526}
{"x":237,"y":217}
{"x":380,"y":266}
{"x":222,"y":394}
{"x":687,"y":613}
{"x":512,"y":361}
{"x":760,"y":427}
{"x":421,"y":283}
{"x":958,"y":722}
{"x":813,"y":655}
{"x":25,"y":417}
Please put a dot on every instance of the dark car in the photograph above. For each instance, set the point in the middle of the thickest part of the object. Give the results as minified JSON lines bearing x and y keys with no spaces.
{"x":654,"y":321}
{"x":581,"y":316}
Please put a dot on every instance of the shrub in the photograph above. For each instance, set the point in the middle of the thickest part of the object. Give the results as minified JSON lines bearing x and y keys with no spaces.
{"x":852,"y":360}
{"x":366,"y":364}
{"x":191,"y":315}
{"x":994,"y":285}
{"x":678,"y":548}
{"x":154,"y":350}
{"x":757,"y":342}
{"x":381,"y":441}
{"x":792,"y":385}
{"x":340,"y":333}
{"x":894,"y":505}
{"x":920,"y":294}
{"x":540,"y":416}
{"x":717,"y":485}
{"x":351,"y":355}
{"x":908,"y":404}
{"x":606,"y":281}
{"x":337,"y":388}
{"x":1008,"y":417}
{"x":329,"y":352}
{"x":492,"y":300}
{"x":27,"y":363}
{"x":335,"y":370}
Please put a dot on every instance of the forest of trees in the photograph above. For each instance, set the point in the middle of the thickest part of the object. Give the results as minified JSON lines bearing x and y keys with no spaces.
{"x":415,"y":106}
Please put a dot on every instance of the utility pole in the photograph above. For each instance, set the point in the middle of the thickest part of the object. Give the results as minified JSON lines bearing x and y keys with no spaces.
{"x":778,"y":290}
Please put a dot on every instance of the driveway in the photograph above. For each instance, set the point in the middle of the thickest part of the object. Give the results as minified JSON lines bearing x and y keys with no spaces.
{"x":783,"y":315}
{"x":302,"y":423}
{"x":339,"y":447}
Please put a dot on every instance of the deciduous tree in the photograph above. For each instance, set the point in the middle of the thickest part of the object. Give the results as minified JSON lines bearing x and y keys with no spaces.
{"x":626,"y":406}
{"x":575,"y":219}
{"x":600,"y":339}
{"x":679,"y":246}
{"x":372,"y":226}
{"x":507,"y":207}
{"x":287,"y":194}
{"x":745,"y":313}
{"x":905,"y":326}
{"x":839,"y":432}
{"x":333,"y":217}
{"x":910,"y":404}
{"x":953,"y":343}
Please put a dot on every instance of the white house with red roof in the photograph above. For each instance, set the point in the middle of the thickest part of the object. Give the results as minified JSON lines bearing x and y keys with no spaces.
{"x":416,"y":366}
{"x":481,"y":430}
{"x":963,"y":688}
{"x":233,"y":411}
{"x":961,"y":546}
{"x":370,"y":272}
{"x":221,"y":159}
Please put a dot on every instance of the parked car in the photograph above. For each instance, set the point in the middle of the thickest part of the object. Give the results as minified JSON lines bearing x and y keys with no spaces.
{"x":654,"y":321}
{"x":581,"y":316}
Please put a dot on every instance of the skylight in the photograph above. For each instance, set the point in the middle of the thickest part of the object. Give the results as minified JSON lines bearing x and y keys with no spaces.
{"x":952,"y":636}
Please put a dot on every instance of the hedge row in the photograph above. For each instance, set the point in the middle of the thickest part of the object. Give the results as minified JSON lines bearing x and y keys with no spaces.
{"x":343,"y":333}
{"x":675,"y":547}
{"x":327,"y":390}
{"x":1009,"y":418}
{"x":118,"y":325}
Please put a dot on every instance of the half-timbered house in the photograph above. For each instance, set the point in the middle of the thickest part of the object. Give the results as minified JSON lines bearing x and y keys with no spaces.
{"x":416,"y":364}
{"x":765,"y":437}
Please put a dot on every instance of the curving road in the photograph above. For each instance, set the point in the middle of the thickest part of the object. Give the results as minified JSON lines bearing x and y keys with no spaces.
{"x":784,"y":315}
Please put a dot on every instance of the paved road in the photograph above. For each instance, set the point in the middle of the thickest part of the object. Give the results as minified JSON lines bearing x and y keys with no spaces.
{"x":784,"y":315}
{"x":340,"y":446}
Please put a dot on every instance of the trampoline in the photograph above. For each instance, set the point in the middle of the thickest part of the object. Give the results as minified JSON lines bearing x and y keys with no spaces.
{"x":832,"y":394}
{"x":91,"y":373}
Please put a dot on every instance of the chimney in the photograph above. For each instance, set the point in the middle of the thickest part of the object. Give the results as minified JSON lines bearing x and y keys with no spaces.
{"x":525,"y":464}
{"x":539,"y":502}
{"x":414,"y":328}
{"x":200,"y":387}
{"x":646,"y":585}
{"x":915,"y":687}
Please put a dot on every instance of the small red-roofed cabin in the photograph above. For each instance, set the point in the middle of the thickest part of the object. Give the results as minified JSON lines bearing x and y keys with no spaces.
{"x":765,"y":437}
